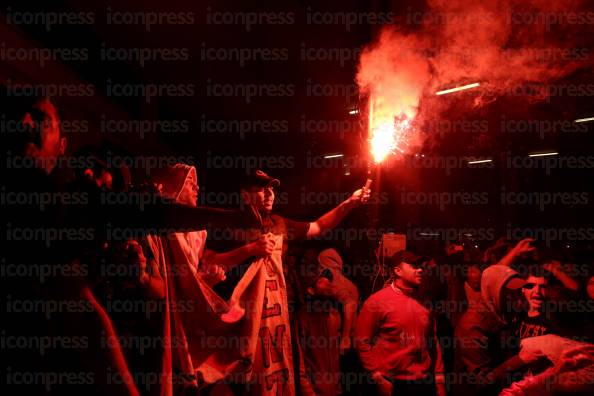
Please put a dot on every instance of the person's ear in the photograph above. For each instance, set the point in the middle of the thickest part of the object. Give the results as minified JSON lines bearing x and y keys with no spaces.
{"x":397,"y":271}
{"x":63,"y":145}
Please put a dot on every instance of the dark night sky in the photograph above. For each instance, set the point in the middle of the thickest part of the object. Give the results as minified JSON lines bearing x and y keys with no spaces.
{"x":284,"y":152}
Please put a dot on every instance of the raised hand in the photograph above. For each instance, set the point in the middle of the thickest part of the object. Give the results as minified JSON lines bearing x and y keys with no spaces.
{"x":361,"y":196}
{"x":524,"y":247}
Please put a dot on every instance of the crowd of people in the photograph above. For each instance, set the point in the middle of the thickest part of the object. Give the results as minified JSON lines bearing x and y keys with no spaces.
{"x":141,"y":299}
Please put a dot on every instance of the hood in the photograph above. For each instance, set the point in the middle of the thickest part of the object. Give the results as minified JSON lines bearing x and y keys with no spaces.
{"x":173,"y":179}
{"x":187,"y":247}
{"x":493,"y":280}
{"x":330,"y":258}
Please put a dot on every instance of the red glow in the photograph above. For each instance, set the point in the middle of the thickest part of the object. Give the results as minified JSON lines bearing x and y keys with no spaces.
{"x":388,"y":133}
{"x":403,"y":66}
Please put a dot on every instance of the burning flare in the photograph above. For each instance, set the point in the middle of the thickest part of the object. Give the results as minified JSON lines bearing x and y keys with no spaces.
{"x":382,"y":141}
{"x":479,"y":43}
{"x":387,"y":133}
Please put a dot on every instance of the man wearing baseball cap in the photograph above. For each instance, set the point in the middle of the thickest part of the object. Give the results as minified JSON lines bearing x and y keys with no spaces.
{"x":395,"y":335}
{"x":258,"y":245}
{"x":258,"y":194}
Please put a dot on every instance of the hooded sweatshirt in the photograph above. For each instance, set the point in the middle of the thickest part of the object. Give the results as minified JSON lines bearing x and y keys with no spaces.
{"x":487,"y":354}
{"x":173,"y":252}
{"x":342,"y":289}
{"x":176,"y":181}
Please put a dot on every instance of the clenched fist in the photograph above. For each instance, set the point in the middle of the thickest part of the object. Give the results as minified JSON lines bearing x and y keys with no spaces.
{"x":361,"y":196}
{"x":263,"y":247}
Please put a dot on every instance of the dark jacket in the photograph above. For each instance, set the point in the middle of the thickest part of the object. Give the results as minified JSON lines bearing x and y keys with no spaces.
{"x":487,"y":359}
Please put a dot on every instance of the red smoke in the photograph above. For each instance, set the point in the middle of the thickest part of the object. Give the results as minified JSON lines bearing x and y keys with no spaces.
{"x":509,"y":46}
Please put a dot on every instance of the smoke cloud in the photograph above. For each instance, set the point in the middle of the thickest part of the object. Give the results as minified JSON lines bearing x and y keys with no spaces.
{"x":511,"y":47}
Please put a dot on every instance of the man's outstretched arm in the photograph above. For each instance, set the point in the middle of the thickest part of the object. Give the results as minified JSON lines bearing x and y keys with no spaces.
{"x":335,"y":216}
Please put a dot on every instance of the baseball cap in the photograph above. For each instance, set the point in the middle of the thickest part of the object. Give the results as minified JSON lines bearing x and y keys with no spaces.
{"x":260,"y":179}
{"x":406,"y":256}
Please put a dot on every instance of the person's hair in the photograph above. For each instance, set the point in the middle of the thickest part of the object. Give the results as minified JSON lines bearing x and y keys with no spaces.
{"x":393,"y":262}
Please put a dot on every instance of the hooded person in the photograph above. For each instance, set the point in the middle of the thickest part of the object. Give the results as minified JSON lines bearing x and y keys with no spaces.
{"x":178,"y":256}
{"x":488,"y":357}
{"x":179,"y":183}
{"x":344,"y":291}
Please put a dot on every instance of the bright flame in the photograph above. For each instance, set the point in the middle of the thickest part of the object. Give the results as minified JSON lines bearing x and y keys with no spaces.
{"x":388,"y":132}
{"x":382,"y":141}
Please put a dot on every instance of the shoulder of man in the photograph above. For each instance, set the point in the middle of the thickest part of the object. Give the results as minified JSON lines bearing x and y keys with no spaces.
{"x":378,"y":299}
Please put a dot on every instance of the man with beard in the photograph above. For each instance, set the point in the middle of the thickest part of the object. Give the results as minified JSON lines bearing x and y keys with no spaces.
{"x":51,"y":229}
{"x":395,"y":335}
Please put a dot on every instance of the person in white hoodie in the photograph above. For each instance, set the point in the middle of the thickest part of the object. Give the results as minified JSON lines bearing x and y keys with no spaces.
{"x":180,"y":184}
{"x":179,"y":257}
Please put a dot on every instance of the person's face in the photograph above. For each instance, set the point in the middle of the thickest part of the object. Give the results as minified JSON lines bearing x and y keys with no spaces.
{"x":189,"y":194}
{"x":262,"y":198}
{"x":474,"y":277}
{"x":47,"y":125}
{"x":411,"y":275}
{"x":535,"y":292}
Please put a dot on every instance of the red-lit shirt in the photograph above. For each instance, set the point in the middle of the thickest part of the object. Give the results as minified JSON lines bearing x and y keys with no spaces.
{"x":395,"y":335}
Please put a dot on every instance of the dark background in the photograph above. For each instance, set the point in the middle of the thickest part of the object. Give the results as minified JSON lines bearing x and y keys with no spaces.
{"x":287,"y":152}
